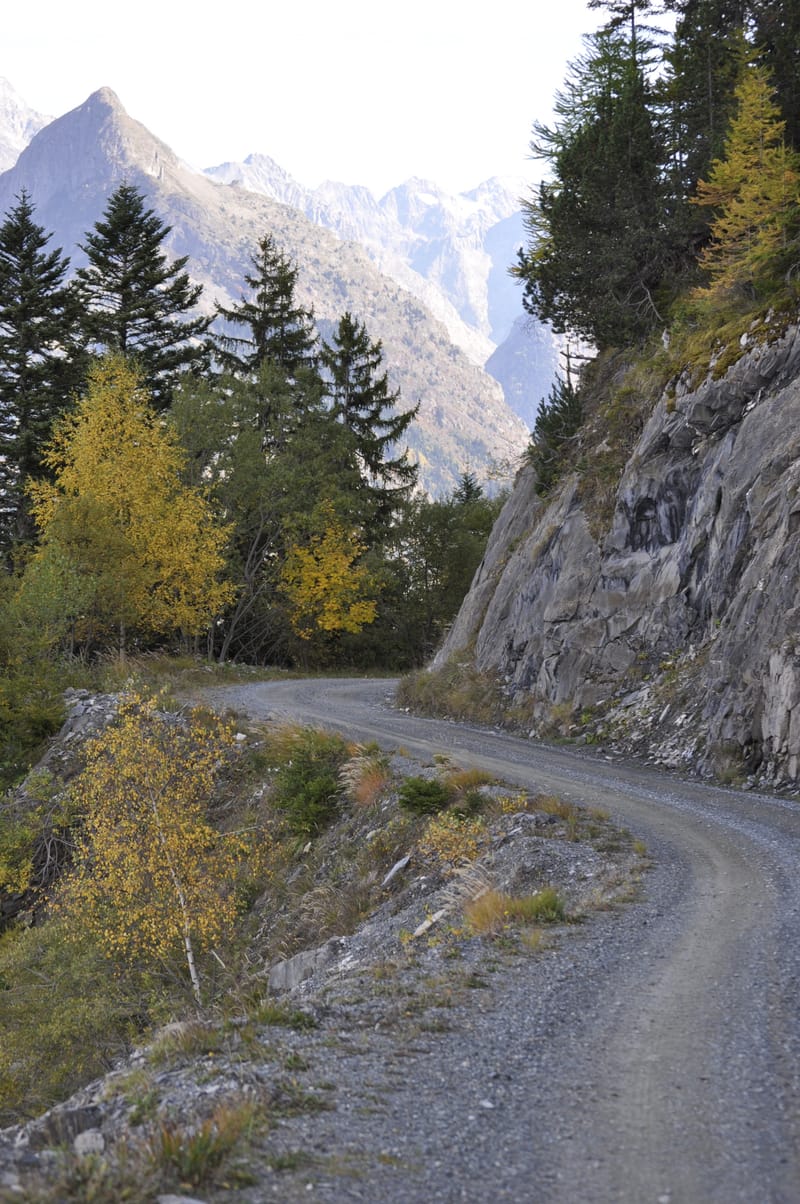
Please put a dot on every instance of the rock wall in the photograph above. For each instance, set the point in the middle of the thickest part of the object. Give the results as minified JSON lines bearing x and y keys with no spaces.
{"x":697,"y":576}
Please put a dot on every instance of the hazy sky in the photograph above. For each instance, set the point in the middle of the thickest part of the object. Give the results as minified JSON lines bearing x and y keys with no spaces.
{"x":352,"y":90}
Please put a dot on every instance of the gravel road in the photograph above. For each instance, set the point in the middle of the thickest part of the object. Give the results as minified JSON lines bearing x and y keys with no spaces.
{"x":655,"y":1057}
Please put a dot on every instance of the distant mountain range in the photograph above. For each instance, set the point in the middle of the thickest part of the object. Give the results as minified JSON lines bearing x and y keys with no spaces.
{"x":452,"y":252}
{"x":18,"y":124}
{"x":426,"y":272}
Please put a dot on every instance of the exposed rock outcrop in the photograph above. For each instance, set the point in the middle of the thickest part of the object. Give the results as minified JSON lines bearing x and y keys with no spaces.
{"x":693,"y":586}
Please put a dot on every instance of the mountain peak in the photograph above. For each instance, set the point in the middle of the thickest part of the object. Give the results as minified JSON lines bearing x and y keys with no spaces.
{"x":105,"y":96}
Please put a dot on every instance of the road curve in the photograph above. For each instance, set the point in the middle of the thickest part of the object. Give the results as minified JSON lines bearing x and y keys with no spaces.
{"x":666,"y":1066}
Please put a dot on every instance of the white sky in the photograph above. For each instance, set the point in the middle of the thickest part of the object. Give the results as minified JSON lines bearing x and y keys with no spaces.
{"x":352,"y":90}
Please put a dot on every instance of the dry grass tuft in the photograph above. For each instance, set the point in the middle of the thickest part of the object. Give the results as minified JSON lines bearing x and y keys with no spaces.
{"x":365,"y":776}
{"x":493,"y":910}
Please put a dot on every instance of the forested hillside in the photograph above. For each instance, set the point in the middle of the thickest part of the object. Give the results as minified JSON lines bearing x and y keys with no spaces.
{"x":230,"y":485}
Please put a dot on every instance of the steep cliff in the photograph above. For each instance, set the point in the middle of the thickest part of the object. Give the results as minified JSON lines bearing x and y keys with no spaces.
{"x":673,"y":626}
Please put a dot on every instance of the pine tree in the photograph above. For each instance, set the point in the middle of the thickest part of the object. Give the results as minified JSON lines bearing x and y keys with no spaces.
{"x":363,"y":402}
{"x":599,"y":249}
{"x":559,"y":418}
{"x":280,"y":331}
{"x":753,"y":190}
{"x":38,"y":358}
{"x":703,"y":67}
{"x":136,"y":300}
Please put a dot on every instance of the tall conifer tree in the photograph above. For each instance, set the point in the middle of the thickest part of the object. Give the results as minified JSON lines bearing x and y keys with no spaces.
{"x":753,"y":189}
{"x":279,"y":330}
{"x":599,"y":243}
{"x":137,"y":302}
{"x":362,"y":400}
{"x":38,"y":358}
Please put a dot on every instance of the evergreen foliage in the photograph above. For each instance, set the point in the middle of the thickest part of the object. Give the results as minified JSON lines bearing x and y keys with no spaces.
{"x":622,"y":228}
{"x":598,"y":237}
{"x":279,"y":330}
{"x":38,"y":358}
{"x":557,"y":421}
{"x":135,"y":300}
{"x":362,"y":401}
{"x":438,"y":547}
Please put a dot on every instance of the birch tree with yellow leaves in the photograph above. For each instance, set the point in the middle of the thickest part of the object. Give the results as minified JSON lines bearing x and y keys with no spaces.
{"x":152,"y":877}
{"x":118,"y":515}
{"x":327,"y":586}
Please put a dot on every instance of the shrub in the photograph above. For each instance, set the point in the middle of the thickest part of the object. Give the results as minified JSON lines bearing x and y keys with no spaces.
{"x":307,"y":785}
{"x":193,"y":1155}
{"x":491,"y":911}
{"x":451,"y":840}
{"x":365,"y":775}
{"x":48,"y":1051}
{"x":457,"y":690}
{"x":424,"y":796}
{"x":31,"y":710}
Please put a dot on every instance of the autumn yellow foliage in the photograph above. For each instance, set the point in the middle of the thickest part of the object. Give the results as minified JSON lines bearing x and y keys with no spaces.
{"x":754,"y":190}
{"x":152,"y":876}
{"x":325,"y":586}
{"x":119,"y":520}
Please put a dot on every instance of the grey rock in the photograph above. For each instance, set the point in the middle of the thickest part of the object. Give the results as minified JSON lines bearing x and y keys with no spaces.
{"x":60,"y":1126}
{"x":702,"y":554}
{"x":396,"y":869}
{"x":172,"y":1199}
{"x":90,"y":1141}
{"x":286,"y":975}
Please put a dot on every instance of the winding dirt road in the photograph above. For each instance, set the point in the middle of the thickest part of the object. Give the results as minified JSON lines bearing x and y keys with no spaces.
{"x":663,"y":1062}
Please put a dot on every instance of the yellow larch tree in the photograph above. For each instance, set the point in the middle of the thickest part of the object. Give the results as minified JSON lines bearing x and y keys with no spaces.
{"x":145,"y":544}
{"x":152,"y":877}
{"x":753,"y":190}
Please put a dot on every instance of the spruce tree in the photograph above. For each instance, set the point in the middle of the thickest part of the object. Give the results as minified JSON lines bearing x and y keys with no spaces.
{"x":38,"y":358}
{"x":776,"y":33}
{"x":136,"y":301}
{"x":279,"y":330}
{"x":363,"y":402}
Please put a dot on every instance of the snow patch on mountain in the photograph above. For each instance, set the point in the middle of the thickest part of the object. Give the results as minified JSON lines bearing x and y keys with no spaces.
{"x":18,"y":124}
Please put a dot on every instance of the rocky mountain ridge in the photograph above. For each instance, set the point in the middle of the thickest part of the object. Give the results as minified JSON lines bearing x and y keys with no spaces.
{"x":72,"y":165}
{"x":451,"y":252}
{"x":673,"y":628}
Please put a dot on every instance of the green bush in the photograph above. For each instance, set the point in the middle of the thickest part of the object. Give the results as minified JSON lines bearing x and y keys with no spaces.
{"x":31,"y":710}
{"x":307,"y":786}
{"x":65,"y":1016}
{"x":424,"y":796}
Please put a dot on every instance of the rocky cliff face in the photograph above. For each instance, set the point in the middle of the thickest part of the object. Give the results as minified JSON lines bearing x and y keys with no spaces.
{"x":677,"y":628}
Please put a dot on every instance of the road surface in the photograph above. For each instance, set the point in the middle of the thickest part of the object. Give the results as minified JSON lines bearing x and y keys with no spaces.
{"x":666,"y":1066}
